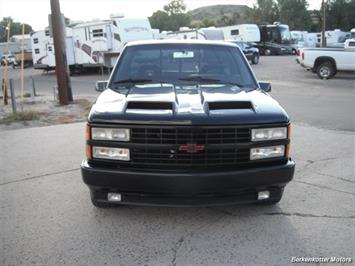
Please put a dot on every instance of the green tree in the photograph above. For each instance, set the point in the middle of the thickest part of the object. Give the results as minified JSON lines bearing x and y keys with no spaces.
{"x":207,"y":23}
{"x":160,"y":20}
{"x":175,"y":7}
{"x":294,"y":13}
{"x":172,"y":18}
{"x":265,"y":11}
{"x":340,"y":14}
{"x":15,"y":28}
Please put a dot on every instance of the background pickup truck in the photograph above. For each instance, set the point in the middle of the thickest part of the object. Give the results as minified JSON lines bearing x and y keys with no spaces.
{"x":326,"y":62}
{"x":27,"y":59}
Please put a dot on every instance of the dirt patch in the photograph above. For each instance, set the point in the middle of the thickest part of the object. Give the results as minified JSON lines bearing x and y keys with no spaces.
{"x":44,"y":111}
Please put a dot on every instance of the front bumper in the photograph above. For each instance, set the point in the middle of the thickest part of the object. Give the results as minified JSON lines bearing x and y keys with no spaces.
{"x":187,"y":189}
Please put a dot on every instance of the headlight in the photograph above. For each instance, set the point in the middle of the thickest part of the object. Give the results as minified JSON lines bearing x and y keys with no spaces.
{"x":116,"y":134}
{"x":110,"y":153}
{"x":267,"y":152}
{"x":261,"y":134}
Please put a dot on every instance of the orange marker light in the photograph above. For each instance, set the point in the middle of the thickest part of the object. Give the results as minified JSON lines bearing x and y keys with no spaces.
{"x":288,"y":146}
{"x":88,"y":137}
{"x":88,"y":151}
{"x":88,"y":133}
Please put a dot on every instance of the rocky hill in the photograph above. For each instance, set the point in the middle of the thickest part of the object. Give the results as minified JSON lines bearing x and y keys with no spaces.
{"x":220,"y":14}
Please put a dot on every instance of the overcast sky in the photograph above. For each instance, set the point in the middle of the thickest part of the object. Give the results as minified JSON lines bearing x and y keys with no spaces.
{"x":35,"y":12}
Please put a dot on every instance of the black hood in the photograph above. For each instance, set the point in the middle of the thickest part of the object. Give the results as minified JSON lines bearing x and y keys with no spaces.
{"x":186,"y":105}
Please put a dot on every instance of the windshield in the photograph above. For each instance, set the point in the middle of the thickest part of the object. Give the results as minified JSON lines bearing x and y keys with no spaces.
{"x":285,"y":34}
{"x":181,"y":64}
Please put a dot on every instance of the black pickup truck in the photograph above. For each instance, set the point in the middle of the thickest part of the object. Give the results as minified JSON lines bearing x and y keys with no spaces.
{"x":185,"y":123}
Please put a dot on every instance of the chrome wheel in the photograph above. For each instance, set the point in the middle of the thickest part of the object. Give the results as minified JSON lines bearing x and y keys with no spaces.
{"x":324,"y":72}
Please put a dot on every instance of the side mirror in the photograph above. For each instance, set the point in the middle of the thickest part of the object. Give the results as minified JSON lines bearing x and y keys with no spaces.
{"x":265,"y":86}
{"x":101,"y":85}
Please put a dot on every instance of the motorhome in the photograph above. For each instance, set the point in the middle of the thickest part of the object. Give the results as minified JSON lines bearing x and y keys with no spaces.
{"x":242,"y":32}
{"x":275,"y":39}
{"x":270,"y":39}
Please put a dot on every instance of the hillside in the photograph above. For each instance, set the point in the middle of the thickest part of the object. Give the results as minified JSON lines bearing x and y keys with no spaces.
{"x":220,"y":14}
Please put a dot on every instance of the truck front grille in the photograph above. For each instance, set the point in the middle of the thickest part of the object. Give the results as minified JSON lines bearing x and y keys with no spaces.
{"x":166,"y":148}
{"x":174,"y":158}
{"x":183,"y":135}
{"x":152,"y":155}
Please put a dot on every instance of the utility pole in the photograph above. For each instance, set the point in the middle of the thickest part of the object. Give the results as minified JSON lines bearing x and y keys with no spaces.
{"x":323,"y":44}
{"x":5,"y":77}
{"x":22,"y":60}
{"x":61,"y":66}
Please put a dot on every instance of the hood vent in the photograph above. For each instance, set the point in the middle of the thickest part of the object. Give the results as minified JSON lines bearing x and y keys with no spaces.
{"x":150,"y":105}
{"x":229,"y":105}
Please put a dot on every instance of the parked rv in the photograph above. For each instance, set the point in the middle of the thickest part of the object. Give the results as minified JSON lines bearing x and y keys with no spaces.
{"x":186,"y":33}
{"x":297,"y":40}
{"x":242,"y":32}
{"x":352,"y":33}
{"x":312,"y":39}
{"x":43,"y":50}
{"x":90,"y":44}
{"x":275,"y":39}
{"x":269,"y":39}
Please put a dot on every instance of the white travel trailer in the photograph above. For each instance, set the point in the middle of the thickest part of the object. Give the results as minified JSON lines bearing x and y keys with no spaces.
{"x":100,"y":42}
{"x":91,"y":44}
{"x":336,"y":36}
{"x":352,"y":33}
{"x":312,"y":39}
{"x":195,"y":34}
{"x":298,"y":36}
{"x":242,"y":32}
{"x":43,"y":49}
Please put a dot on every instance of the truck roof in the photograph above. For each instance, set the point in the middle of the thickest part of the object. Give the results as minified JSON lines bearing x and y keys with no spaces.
{"x":182,"y":42}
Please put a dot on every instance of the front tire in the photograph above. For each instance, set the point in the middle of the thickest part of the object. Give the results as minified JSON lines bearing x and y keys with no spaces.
{"x":255,"y":59}
{"x":326,"y":70}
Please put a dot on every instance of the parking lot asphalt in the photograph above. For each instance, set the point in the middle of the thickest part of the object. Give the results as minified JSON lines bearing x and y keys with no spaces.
{"x":46,"y":216}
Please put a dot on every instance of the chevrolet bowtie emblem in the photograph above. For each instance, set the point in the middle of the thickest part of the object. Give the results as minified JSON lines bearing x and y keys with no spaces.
{"x":191,"y":148}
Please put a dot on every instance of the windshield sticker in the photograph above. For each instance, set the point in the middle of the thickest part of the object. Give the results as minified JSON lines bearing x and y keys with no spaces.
{"x":184,"y":54}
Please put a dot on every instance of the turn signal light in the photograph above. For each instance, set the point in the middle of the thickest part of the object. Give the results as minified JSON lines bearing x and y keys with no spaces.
{"x":88,"y":147}
{"x":288,"y":146}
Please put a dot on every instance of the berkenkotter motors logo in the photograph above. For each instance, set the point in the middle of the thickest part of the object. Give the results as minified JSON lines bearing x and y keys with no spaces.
{"x":321,"y":260}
